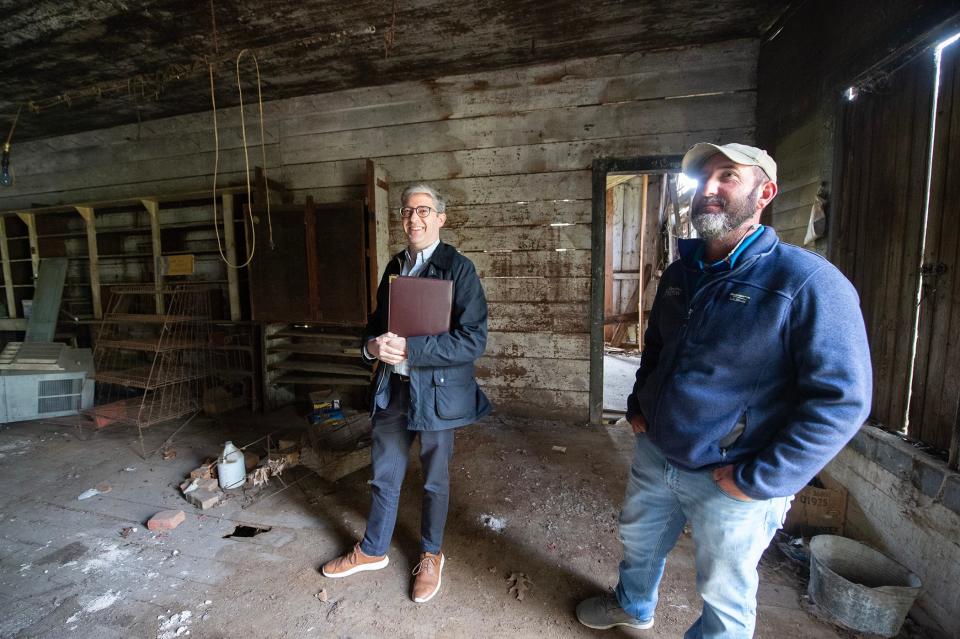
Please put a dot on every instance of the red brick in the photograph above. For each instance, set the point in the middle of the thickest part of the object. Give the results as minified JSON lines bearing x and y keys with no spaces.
{"x":166,"y":520}
{"x":203,"y":499}
{"x":107,"y":414}
{"x":204,"y":471}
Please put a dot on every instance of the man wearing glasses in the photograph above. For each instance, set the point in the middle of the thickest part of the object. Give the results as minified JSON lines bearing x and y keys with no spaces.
{"x":424,"y":386}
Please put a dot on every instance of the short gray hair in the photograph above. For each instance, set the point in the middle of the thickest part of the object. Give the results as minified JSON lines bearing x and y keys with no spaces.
{"x":761,"y":176}
{"x":441,"y":205}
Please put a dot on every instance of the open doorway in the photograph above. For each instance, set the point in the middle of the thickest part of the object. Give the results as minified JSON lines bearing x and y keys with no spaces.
{"x":640,"y":209}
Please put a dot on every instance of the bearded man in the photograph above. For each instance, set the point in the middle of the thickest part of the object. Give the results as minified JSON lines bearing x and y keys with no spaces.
{"x":755,"y":373}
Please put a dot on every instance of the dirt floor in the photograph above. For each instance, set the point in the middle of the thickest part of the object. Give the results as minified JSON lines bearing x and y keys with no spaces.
{"x":531,"y":497}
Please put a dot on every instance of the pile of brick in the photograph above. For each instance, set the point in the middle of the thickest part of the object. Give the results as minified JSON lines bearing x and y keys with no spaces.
{"x":201,"y":488}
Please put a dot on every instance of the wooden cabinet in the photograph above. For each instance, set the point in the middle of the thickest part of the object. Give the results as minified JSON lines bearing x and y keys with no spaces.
{"x":313,"y":268}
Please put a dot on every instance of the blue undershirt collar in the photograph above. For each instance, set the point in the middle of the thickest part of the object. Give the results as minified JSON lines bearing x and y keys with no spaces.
{"x":730,"y":260}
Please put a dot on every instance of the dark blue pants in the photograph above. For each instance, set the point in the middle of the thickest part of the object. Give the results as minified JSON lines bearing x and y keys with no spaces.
{"x":391,"y":448}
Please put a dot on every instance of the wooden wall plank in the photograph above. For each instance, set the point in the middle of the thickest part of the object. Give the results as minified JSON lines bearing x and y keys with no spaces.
{"x":532,"y":264}
{"x":535,"y":317}
{"x":615,"y":78}
{"x":508,"y":160}
{"x":537,"y":402}
{"x":530,"y":127}
{"x":516,"y":238}
{"x":537,"y":289}
{"x":792,"y":219}
{"x":146,"y":188}
{"x":528,"y":372}
{"x":797,"y":196}
{"x":515,"y":214}
{"x":538,"y":345}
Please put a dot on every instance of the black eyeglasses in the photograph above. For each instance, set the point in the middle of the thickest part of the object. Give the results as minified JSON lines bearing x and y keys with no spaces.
{"x":422,"y":211}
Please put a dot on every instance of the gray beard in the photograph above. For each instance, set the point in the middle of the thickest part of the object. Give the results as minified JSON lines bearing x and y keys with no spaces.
{"x":713,"y":226}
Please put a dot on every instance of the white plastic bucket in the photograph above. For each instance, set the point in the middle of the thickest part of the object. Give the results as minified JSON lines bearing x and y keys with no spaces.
{"x":231,"y":470}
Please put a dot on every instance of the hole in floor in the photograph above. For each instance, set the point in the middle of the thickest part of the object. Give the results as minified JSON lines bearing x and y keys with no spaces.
{"x":246,"y":531}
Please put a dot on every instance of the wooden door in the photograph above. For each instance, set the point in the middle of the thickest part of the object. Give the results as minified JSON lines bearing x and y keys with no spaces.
{"x":935,"y":397}
{"x":279,"y":289}
{"x":338,"y":266}
{"x":879,"y":226}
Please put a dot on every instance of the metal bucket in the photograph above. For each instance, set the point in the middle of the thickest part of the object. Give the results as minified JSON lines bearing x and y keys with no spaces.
{"x":860,"y":587}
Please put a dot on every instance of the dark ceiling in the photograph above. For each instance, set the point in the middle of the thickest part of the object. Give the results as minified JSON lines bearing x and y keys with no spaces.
{"x":89,"y":64}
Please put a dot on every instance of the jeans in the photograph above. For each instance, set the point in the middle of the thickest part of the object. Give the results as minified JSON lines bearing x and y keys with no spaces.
{"x":391,"y":448}
{"x":729,"y":536}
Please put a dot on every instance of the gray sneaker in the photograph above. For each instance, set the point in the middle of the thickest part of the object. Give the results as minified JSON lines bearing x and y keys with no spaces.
{"x":604,"y":612}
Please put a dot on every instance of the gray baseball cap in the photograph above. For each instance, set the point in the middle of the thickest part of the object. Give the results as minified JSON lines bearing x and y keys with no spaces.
{"x":739,"y":153}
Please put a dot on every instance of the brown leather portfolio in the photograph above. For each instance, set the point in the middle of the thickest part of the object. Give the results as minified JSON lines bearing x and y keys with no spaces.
{"x":419,"y":306}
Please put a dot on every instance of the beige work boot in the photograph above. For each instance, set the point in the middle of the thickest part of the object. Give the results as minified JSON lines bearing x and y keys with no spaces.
{"x":353,"y":562}
{"x":427,"y":577}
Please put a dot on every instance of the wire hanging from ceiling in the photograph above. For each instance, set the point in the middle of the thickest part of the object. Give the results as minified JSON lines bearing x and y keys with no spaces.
{"x":252,"y":248}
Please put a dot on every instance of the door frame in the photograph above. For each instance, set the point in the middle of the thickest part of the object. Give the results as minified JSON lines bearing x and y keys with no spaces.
{"x":598,"y":243}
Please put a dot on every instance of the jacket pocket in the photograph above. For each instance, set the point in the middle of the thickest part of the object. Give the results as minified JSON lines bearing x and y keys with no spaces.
{"x":456,"y":394}
{"x":731,"y":438}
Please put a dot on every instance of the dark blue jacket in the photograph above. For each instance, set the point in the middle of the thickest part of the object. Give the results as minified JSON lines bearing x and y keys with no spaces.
{"x":764,"y":366}
{"x":443,"y":388}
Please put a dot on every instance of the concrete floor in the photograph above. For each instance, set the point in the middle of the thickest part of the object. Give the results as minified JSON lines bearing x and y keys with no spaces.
{"x":517,"y":506}
{"x":619,"y":375}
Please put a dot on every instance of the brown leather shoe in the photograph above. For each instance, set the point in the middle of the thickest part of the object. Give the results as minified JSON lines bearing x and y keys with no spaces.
{"x":427,"y":577}
{"x":353,"y":562}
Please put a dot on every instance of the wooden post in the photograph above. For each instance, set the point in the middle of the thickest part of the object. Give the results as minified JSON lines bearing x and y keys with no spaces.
{"x":230,"y":239}
{"x":7,"y":272}
{"x":643,"y":227}
{"x":153,"y":208}
{"x":598,"y":258}
{"x":378,"y":227}
{"x":31,"y":223}
{"x":608,"y":304}
{"x":86,"y":212}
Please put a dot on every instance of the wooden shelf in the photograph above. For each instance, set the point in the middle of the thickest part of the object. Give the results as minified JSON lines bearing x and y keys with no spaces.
{"x":314,"y":349}
{"x":150,"y":345}
{"x":149,"y":319}
{"x":340,"y":337}
{"x":315,"y":380}
{"x":322,"y":367}
{"x":140,"y":377}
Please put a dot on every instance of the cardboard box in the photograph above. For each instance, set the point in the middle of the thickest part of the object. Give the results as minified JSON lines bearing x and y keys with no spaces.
{"x":818,"y":511}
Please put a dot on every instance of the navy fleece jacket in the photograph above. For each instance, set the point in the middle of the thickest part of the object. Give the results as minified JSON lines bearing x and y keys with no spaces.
{"x":764,"y":365}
